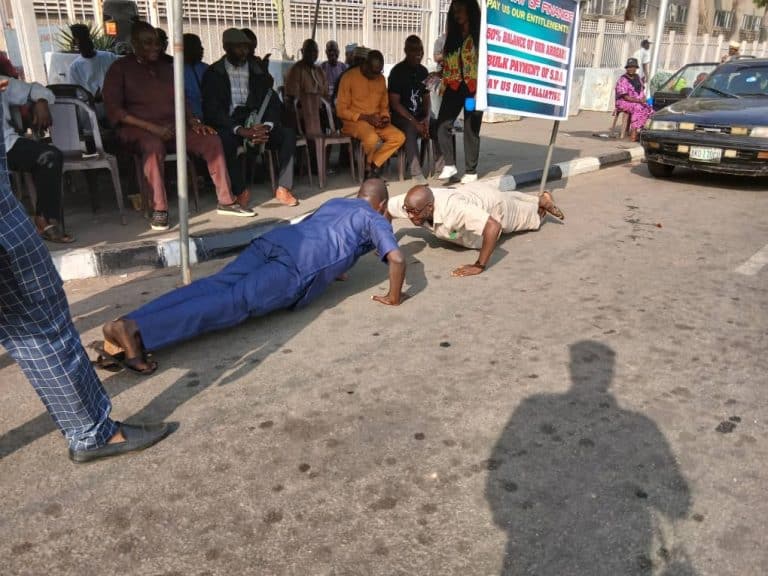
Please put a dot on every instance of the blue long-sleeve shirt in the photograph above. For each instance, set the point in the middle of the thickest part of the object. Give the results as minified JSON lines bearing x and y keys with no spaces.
{"x":193,"y":82}
{"x":328,"y":243}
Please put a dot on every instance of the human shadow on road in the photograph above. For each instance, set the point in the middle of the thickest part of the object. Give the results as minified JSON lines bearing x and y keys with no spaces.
{"x":585,"y":488}
{"x":251,"y":343}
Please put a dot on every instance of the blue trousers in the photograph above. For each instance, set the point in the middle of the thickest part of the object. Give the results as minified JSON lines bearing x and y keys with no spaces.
{"x":263,"y":278}
{"x":37,"y":331}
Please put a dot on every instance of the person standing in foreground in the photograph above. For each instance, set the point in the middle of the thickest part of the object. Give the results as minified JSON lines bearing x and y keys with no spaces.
{"x":288,"y":267}
{"x":473,"y":216}
{"x":37,"y":331}
{"x":460,"y":67}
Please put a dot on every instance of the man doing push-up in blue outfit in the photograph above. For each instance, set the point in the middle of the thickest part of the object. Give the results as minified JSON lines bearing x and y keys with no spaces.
{"x":288,"y":267}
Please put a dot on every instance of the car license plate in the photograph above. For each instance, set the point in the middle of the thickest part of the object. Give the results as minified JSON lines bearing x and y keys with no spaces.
{"x":705,"y":154}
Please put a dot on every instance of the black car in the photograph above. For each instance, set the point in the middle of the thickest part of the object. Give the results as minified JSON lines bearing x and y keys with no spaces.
{"x":722,"y":126}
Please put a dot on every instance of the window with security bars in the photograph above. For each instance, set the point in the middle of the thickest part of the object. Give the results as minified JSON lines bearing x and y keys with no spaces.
{"x":751,"y":23}
{"x":723,"y":19}
{"x":677,"y":14}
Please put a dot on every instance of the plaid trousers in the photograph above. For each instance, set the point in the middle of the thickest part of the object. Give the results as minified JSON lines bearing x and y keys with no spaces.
{"x":37,"y":330}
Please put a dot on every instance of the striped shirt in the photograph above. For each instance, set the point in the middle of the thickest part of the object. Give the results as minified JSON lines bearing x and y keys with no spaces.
{"x":239,"y":77}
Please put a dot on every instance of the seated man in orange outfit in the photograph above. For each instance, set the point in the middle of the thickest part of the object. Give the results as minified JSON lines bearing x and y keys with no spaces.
{"x":363,"y":106}
{"x":138,"y":97}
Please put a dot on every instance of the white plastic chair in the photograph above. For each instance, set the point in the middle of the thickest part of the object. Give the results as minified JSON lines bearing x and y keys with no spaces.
{"x":65,"y":135}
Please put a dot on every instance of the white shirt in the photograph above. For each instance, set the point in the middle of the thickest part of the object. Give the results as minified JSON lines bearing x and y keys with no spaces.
{"x":20,"y":93}
{"x":643,"y":56}
{"x":90,"y":72}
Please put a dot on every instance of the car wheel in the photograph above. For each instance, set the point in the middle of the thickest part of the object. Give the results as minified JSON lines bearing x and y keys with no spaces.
{"x":659,"y":170}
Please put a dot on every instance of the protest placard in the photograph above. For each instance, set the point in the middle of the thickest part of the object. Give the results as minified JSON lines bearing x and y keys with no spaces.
{"x":527,"y":57}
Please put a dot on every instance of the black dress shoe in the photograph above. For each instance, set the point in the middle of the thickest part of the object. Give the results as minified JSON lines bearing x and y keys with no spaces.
{"x":136,"y":438}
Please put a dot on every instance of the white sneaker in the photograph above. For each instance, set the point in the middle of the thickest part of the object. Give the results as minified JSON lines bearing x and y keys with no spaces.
{"x":448,"y":172}
{"x":468,"y":178}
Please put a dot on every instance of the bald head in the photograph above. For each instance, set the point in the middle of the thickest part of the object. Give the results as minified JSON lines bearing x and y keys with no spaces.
{"x":374,"y":190}
{"x":419,"y":196}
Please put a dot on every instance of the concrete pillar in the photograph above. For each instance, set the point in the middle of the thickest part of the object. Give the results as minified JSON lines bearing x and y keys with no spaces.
{"x":29,"y":41}
{"x":688,"y":45}
{"x":98,"y":12}
{"x":628,"y":25}
{"x":368,"y":24}
{"x":670,"y":46}
{"x":288,"y":34}
{"x":153,"y":13}
{"x":597,"y":57}
{"x":704,"y":47}
{"x":434,"y":30}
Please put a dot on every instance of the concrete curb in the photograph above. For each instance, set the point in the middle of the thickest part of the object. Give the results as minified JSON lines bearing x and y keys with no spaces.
{"x":84,"y":263}
{"x":571,"y":168}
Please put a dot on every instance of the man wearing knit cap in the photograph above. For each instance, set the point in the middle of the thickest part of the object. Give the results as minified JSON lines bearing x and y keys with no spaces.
{"x":239,"y":103}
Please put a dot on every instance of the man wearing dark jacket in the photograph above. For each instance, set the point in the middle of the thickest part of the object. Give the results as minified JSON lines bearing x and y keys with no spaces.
{"x":239,"y":103}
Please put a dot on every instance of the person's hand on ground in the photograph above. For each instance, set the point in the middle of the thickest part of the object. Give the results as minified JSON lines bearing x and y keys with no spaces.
{"x":468,"y":270}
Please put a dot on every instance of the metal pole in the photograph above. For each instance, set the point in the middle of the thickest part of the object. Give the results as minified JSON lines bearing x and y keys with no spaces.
{"x":314,"y":23}
{"x":181,"y":138}
{"x":660,"y":22}
{"x":548,"y":161}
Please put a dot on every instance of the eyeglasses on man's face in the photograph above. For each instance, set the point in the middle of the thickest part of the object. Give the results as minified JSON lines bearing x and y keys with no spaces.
{"x":415,"y":211}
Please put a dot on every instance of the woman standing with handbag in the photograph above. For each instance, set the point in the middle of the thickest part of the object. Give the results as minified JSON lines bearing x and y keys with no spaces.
{"x":460,"y":65}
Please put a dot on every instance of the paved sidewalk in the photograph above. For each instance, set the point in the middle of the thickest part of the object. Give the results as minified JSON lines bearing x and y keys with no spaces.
{"x":507,"y":149}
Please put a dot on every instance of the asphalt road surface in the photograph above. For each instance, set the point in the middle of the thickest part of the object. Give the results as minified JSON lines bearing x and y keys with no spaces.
{"x":592,"y":405}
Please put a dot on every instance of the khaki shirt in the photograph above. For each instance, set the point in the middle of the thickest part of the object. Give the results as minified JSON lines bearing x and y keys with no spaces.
{"x":459,"y":215}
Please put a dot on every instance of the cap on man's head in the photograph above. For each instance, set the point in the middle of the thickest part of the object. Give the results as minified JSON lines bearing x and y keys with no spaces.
{"x":645,"y":43}
{"x":631,"y":63}
{"x":734,"y":44}
{"x":361,"y":52}
{"x":234,"y":36}
{"x":349,"y":48}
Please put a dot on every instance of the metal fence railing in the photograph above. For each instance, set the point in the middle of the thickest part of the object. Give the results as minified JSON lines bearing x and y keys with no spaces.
{"x":380,"y":24}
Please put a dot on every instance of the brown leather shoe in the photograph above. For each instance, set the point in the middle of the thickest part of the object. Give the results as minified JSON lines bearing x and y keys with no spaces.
{"x":284,"y":196}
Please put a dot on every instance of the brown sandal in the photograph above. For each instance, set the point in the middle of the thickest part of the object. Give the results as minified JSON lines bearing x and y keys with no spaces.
{"x":112,"y":358}
{"x":553,"y":209}
{"x":53,"y":233}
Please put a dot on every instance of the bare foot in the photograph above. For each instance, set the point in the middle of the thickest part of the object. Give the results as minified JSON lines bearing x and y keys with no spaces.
{"x":125,"y":334}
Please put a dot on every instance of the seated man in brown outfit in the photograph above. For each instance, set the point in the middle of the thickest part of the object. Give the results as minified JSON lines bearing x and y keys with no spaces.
{"x":306,"y":83}
{"x":138,"y":96}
